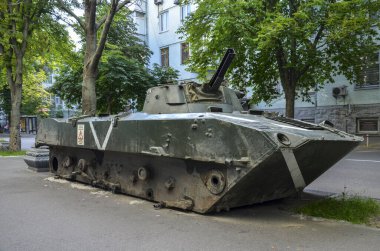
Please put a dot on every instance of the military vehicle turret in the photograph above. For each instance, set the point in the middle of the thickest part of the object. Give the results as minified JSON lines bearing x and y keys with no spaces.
{"x":194,"y":148}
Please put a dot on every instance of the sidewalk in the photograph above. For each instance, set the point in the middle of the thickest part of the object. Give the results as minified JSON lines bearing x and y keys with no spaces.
{"x":41,"y":213}
{"x":27,"y":140}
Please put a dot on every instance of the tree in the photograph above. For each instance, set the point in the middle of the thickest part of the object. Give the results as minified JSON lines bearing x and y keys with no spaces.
{"x":18,"y":20}
{"x":35,"y":99}
{"x":164,"y":75}
{"x":121,"y":79}
{"x":122,"y":69}
{"x":123,"y":75}
{"x":94,"y":47}
{"x":29,"y":40}
{"x":299,"y":44}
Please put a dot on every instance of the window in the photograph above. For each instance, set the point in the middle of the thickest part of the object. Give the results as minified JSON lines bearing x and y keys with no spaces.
{"x":57,"y":100}
{"x":370,"y":73}
{"x":185,"y":11}
{"x":165,"y":57}
{"x":164,"y":21}
{"x":368,"y":125}
{"x":185,"y":53}
{"x":140,"y":22}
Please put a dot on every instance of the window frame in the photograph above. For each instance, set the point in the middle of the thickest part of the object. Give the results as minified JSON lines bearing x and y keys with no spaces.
{"x":366,"y":72}
{"x":374,"y":119}
{"x":163,"y":64}
{"x":186,"y":7}
{"x":184,"y":58}
{"x":163,"y":19}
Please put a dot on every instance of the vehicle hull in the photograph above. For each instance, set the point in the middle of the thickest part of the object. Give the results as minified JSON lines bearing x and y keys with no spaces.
{"x":202,"y":162}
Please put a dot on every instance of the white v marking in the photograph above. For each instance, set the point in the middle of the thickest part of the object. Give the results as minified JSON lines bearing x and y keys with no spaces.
{"x":105,"y":142}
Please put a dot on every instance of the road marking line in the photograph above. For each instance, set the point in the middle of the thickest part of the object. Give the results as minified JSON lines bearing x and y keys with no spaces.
{"x":365,"y":151}
{"x":364,"y":160}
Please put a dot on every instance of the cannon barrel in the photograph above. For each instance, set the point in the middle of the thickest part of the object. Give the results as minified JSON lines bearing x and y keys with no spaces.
{"x":218,"y":77}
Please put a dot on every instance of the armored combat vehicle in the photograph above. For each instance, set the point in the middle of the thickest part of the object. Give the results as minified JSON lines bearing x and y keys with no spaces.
{"x":194,"y":148}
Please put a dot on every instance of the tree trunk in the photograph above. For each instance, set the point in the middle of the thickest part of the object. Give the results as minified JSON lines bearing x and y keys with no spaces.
{"x":89,"y":92}
{"x":90,"y":70}
{"x":290,"y":94}
{"x":93,"y":50}
{"x":109,"y":105}
{"x":15,"y":137}
{"x":16,"y":94}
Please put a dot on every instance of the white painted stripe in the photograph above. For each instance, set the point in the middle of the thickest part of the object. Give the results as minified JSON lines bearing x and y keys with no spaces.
{"x":108,"y":135}
{"x":105,"y":142}
{"x":364,"y":160}
{"x":294,"y":169}
{"x":94,"y":134}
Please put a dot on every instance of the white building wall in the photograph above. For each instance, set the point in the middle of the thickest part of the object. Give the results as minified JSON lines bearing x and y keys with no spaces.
{"x":355,"y":96}
{"x":344,"y":111}
{"x":139,"y":16}
{"x":160,"y":39}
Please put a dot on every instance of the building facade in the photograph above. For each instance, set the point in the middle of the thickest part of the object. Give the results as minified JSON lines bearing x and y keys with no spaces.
{"x":157,"y":23}
{"x":350,"y":107}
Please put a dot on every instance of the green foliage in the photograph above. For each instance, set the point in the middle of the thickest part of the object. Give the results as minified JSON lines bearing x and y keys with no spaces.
{"x":121,"y":78}
{"x":122,"y":72}
{"x":298,"y":44}
{"x":163,"y":75}
{"x":68,"y":82}
{"x":123,"y":75}
{"x":122,"y":35}
{"x":353,"y":209}
{"x":48,"y":47}
{"x":35,"y":99}
{"x":5,"y":99}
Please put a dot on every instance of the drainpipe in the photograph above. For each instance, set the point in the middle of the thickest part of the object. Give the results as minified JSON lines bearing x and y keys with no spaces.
{"x":315,"y":103}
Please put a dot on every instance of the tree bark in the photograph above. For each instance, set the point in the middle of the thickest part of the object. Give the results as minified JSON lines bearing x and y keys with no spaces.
{"x":15,"y":85}
{"x":15,"y":137}
{"x":90,"y":72}
{"x":89,"y":92}
{"x":290,"y":101}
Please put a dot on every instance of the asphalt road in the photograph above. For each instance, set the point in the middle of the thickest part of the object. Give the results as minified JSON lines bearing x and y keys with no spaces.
{"x":357,"y":174}
{"x":38,"y":212}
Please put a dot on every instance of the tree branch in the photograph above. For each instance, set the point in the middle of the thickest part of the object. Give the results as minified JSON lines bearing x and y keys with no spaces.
{"x":281,"y":62}
{"x":71,"y":13}
{"x":8,"y":67}
{"x":319,"y":35}
{"x":103,"y":38}
{"x":103,"y":19}
{"x":313,"y":47}
{"x":25,"y":30}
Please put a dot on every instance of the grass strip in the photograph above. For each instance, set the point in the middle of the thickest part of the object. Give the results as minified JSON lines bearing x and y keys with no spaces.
{"x":352,"y":209}
{"x":12,"y":153}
